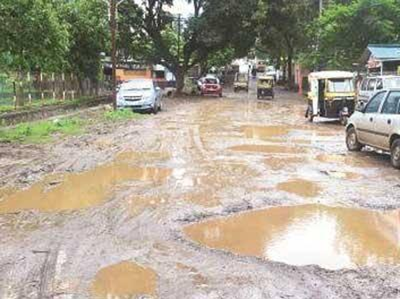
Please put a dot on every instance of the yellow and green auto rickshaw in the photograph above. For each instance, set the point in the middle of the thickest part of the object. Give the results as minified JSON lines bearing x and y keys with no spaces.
{"x":332,"y":95}
{"x":241,"y":82}
{"x":265,"y":87}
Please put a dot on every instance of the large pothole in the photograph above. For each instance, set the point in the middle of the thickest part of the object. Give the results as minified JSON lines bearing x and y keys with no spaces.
{"x":332,"y":238}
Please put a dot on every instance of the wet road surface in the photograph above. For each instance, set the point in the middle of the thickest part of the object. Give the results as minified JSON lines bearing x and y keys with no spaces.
{"x":213,"y":198}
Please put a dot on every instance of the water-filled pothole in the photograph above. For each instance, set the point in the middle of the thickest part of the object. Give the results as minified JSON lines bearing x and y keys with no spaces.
{"x":77,"y":191}
{"x":332,"y":238}
{"x":124,"y":280}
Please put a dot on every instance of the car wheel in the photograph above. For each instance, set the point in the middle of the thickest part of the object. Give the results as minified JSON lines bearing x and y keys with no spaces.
{"x":220,"y":95}
{"x":395,"y":154}
{"x":154,"y":110}
{"x":352,"y":142}
{"x":160,"y":106}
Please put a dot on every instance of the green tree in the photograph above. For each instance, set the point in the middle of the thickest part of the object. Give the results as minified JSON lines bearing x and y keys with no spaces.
{"x":282,"y":28}
{"x":179,"y":44}
{"x":88,"y":30}
{"x":344,"y":31}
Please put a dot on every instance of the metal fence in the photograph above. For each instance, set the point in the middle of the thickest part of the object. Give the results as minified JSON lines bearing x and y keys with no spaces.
{"x":36,"y":89}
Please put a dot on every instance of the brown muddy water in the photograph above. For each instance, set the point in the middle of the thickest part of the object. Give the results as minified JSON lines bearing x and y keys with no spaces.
{"x":300,"y":187}
{"x":124,"y":280}
{"x":332,"y":238}
{"x":78,"y":191}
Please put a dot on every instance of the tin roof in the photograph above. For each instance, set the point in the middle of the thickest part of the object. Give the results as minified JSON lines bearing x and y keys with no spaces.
{"x":382,"y":52}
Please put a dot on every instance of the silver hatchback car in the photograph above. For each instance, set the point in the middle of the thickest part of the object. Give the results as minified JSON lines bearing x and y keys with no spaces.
{"x":377,"y":124}
{"x":140,"y":95}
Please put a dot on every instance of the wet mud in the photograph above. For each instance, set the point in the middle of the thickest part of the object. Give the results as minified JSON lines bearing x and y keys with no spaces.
{"x":212,"y":198}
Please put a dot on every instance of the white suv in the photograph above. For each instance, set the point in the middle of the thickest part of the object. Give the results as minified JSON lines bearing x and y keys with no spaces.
{"x":377,"y":125}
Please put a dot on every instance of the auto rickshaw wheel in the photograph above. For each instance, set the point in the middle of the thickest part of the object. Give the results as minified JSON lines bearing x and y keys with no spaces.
{"x":344,"y":120}
{"x":310,"y":114}
{"x":352,"y":142}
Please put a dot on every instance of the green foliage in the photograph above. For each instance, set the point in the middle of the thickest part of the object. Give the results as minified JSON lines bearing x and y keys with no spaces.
{"x":345,"y":30}
{"x":41,"y":132}
{"x":282,"y":28}
{"x":88,"y":29}
{"x":32,"y":35}
{"x":121,"y":114}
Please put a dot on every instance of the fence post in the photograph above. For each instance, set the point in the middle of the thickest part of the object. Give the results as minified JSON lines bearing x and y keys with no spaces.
{"x":29,"y":88}
{"x":73,"y":87}
{"x":54,"y":85}
{"x":15,"y":94}
{"x":63,"y":85}
{"x":41,"y":86}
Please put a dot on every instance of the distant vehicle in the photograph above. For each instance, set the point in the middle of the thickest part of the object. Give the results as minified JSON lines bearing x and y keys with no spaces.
{"x":332,"y":95}
{"x":140,"y":95}
{"x":377,"y":124}
{"x":265,"y":87}
{"x":370,"y":85}
{"x":241,"y":82}
{"x":210,"y":86}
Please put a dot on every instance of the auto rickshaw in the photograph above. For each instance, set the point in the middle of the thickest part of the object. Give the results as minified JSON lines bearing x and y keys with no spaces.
{"x":332,"y":95}
{"x":265,"y":87}
{"x":241,"y":82}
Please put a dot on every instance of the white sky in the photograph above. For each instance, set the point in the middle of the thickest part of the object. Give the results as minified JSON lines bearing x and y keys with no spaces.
{"x":181,"y":7}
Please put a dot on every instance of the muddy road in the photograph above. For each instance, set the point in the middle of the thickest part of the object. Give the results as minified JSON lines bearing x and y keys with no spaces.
{"x":212,"y":198}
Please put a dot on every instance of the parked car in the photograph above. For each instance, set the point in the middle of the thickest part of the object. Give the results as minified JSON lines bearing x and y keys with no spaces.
{"x":370,"y":85}
{"x":210,"y":86}
{"x":140,"y":95}
{"x":377,"y":124}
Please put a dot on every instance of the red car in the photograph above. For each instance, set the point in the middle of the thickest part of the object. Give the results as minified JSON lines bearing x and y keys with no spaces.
{"x":211,"y":86}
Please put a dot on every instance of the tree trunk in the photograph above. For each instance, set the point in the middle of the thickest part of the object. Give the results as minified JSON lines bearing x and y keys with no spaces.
{"x":180,"y":80}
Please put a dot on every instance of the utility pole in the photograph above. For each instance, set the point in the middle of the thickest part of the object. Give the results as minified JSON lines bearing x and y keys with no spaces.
{"x":113,"y":27}
{"x":321,"y":7}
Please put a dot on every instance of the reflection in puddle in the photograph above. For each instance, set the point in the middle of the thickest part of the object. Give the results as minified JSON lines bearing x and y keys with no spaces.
{"x":300,"y":187}
{"x":124,"y":280}
{"x":332,"y":238}
{"x":267,"y":149}
{"x":77,"y":191}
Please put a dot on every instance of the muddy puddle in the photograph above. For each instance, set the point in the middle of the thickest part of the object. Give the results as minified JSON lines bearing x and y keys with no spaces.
{"x":257,"y":132}
{"x":300,"y":187}
{"x":78,"y":191}
{"x":278,"y":163}
{"x":267,"y":149}
{"x":124,"y":280}
{"x":332,"y":238}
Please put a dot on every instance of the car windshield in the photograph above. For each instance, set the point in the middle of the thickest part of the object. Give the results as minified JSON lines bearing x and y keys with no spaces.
{"x":392,"y":82}
{"x":211,"y":81}
{"x":340,"y":85}
{"x":137,"y":86}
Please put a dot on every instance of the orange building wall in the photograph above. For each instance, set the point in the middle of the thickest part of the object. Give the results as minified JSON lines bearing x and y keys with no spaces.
{"x":124,"y":75}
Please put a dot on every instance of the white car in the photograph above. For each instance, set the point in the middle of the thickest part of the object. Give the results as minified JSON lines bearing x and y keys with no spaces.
{"x":377,"y":124}
{"x":140,"y":95}
{"x":370,"y":85}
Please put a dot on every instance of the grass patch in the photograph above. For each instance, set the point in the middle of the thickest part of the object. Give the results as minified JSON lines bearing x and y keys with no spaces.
{"x":41,"y":132}
{"x":121,"y":114}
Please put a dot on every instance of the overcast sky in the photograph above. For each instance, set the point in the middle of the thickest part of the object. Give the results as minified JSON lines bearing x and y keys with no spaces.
{"x":182,"y":7}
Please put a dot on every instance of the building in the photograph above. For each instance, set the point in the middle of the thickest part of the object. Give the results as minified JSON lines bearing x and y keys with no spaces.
{"x":382,"y":59}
